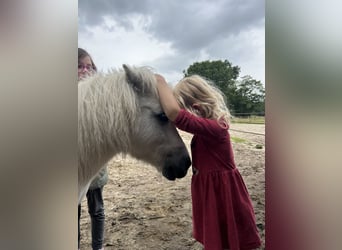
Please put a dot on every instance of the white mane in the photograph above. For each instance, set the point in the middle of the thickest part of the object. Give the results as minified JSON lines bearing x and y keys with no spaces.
{"x":106,"y":111}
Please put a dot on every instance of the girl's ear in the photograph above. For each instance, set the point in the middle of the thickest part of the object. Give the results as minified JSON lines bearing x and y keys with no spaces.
{"x":197,"y":108}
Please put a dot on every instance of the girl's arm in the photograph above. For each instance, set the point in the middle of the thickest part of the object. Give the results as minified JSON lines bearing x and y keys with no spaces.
{"x":167,"y":99}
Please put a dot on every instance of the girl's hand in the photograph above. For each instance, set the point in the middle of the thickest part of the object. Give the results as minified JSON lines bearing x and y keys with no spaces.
{"x":160,"y":78}
{"x":167,"y":99}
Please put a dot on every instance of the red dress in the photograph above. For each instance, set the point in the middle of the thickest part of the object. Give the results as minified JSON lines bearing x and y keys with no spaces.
{"x":222,"y":211}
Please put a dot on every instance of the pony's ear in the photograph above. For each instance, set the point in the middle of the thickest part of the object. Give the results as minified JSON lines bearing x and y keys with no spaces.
{"x":133,"y":78}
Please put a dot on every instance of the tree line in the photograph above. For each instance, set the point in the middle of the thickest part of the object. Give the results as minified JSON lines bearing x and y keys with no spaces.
{"x":244,"y":96}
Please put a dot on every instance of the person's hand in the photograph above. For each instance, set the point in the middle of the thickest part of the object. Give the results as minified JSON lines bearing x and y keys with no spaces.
{"x":167,"y":100}
{"x":160,"y":79}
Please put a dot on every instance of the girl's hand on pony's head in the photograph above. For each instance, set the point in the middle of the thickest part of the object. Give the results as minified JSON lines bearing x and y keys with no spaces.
{"x":160,"y":79}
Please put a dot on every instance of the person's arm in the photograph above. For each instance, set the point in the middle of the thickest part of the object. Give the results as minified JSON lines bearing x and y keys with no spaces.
{"x":167,"y":99}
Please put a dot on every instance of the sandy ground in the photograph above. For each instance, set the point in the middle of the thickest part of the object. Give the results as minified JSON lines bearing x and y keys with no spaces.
{"x":146,"y":211}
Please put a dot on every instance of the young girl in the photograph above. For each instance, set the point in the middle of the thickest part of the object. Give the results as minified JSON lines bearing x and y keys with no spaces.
{"x":223,"y":215}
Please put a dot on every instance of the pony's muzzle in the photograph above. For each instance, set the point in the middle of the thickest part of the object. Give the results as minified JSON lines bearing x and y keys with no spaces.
{"x":176,"y":167}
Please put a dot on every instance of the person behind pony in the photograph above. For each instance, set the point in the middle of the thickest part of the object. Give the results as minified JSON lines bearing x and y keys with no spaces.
{"x":222,"y":211}
{"x":86,"y":67}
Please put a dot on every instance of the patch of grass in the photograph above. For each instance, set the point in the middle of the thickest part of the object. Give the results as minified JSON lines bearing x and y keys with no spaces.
{"x":237,"y":139}
{"x":249,"y":119}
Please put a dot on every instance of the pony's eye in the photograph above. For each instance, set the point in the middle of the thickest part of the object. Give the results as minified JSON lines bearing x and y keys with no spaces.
{"x":162,"y":117}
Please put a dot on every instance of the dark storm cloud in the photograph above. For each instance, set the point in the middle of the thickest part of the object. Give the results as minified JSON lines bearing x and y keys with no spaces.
{"x":194,"y":25}
{"x":91,"y":12}
{"x":187,"y":24}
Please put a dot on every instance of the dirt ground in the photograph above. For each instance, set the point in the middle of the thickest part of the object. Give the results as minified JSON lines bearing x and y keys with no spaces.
{"x":146,"y":211}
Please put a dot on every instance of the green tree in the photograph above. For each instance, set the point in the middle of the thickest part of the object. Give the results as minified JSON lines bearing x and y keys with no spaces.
{"x":249,"y":97}
{"x":222,"y":73}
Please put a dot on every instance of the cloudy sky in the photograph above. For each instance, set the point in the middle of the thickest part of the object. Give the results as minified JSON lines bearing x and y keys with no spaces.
{"x":170,"y":35}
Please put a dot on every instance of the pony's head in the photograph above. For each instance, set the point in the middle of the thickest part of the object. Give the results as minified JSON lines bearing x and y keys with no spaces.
{"x":154,"y":138}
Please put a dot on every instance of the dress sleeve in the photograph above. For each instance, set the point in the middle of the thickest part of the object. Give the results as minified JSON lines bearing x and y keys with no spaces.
{"x":197,"y":125}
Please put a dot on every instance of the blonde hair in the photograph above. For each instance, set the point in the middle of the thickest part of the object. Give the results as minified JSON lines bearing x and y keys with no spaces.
{"x":197,"y":90}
